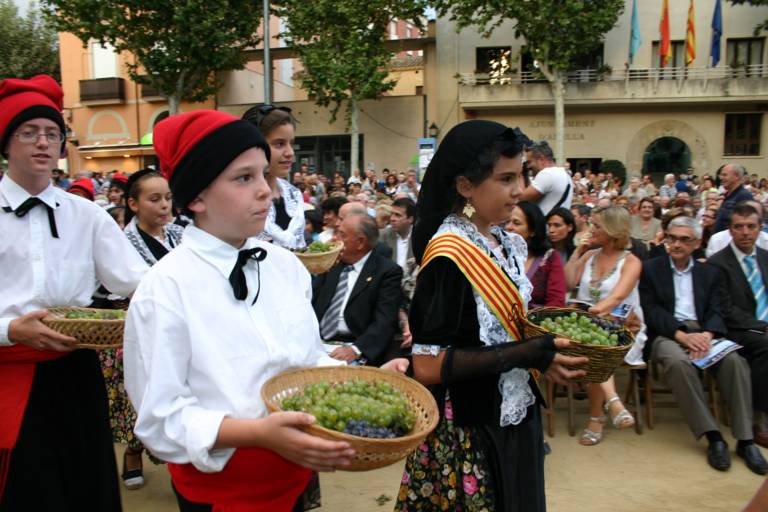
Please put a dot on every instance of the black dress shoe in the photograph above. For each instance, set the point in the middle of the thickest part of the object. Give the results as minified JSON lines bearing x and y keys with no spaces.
{"x":754,"y":459}
{"x":718,"y":456}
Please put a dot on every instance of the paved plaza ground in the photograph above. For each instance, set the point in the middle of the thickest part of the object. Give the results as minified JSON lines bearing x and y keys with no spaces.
{"x":664,"y":469}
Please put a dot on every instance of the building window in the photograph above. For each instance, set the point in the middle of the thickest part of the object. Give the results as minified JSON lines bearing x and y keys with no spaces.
{"x":408,"y":32}
{"x":675,"y":68}
{"x":392,"y":30}
{"x":485,"y":57}
{"x":103,"y":60}
{"x":742,"y":134}
{"x":742,"y":53}
{"x":584,"y":68}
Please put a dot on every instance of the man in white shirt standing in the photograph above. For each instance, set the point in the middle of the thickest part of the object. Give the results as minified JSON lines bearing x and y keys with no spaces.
{"x":551,"y":186}
{"x":56,"y":450}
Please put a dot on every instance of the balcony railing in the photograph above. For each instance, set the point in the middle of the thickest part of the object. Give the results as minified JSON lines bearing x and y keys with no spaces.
{"x":103,"y":89}
{"x":632,"y":74}
{"x":148,"y":91}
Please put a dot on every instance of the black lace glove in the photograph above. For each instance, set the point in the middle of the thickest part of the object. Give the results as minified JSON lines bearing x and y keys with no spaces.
{"x":470,"y":363}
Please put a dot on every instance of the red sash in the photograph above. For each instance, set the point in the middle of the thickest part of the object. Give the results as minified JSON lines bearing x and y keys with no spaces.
{"x":254,"y":480}
{"x":17,"y":371}
{"x":489,"y":281}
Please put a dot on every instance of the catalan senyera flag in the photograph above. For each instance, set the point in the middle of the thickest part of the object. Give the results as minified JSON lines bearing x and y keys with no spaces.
{"x":690,"y":37}
{"x":665,"y":45}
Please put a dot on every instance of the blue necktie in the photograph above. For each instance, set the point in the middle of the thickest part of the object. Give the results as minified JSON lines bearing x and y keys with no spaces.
{"x":329,"y":325}
{"x":758,"y":289}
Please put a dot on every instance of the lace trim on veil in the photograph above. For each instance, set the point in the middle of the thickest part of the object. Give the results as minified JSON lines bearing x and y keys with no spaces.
{"x":513,"y":385}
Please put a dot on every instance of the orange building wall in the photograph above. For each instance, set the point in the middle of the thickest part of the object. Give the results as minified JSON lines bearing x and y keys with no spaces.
{"x":116,"y":127}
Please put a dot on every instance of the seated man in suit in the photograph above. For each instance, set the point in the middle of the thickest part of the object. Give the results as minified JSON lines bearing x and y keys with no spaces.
{"x":744,"y":267}
{"x":682,"y":309}
{"x":358,"y":299}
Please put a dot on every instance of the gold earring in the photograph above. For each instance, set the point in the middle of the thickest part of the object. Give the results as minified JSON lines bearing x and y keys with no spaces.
{"x":468,"y":210}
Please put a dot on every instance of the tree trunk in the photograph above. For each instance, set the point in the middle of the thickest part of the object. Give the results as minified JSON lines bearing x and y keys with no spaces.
{"x":557,"y":86}
{"x":354,"y":153}
{"x":173,"y":104}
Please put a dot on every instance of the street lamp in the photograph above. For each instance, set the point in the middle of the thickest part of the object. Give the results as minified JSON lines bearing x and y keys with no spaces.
{"x":433,"y":130}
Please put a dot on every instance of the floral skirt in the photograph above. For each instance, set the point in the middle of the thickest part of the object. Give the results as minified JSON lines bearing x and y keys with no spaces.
{"x":122,"y":416}
{"x":448,"y":471}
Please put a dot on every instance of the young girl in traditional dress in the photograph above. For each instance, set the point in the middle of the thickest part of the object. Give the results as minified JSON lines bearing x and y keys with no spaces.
{"x":487,"y":451}
{"x":151,"y":233}
{"x":285,"y":220}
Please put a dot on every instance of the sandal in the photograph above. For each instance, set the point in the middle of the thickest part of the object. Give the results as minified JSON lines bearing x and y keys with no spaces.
{"x":590,"y":437}
{"x":623,"y":419}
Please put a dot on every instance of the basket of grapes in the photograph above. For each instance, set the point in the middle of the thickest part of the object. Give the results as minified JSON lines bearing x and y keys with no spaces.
{"x":383,"y":415}
{"x":603,"y":341}
{"x":319,"y":257}
{"x":93,"y":328}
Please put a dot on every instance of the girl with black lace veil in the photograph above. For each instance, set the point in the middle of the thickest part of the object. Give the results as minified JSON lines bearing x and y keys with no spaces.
{"x":285,"y":220}
{"x":471,"y":295}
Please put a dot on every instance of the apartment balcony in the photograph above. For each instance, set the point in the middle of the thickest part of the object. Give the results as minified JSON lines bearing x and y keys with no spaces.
{"x":150,"y":93}
{"x":102,"y":91}
{"x":618,"y":87}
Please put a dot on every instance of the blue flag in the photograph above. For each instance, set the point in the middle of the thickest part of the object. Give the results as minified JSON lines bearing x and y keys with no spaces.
{"x":717,"y":31}
{"x":635,"y":40}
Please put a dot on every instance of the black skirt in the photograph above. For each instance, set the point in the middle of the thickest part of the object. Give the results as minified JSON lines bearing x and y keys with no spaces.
{"x":64,"y":459}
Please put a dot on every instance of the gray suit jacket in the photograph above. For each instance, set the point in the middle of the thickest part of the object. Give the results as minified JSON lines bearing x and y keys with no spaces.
{"x":388,"y":236}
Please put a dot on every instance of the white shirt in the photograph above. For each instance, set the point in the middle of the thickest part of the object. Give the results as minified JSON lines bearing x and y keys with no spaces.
{"x":402,"y":248}
{"x":551,"y":182}
{"x":354,"y":273}
{"x":685,"y":309}
{"x":326,"y":236}
{"x":194,"y":354}
{"x":740,"y":257}
{"x":39,"y":271}
{"x":721,"y":239}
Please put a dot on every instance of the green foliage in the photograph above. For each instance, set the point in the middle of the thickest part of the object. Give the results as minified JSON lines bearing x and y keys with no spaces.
{"x":555,"y":31}
{"x":178,"y":46}
{"x":340,"y":44}
{"x":29,"y":46}
{"x":615,"y":167}
{"x":760,"y":26}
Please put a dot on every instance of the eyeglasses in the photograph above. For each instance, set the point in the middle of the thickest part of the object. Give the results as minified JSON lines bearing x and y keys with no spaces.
{"x":31,"y":137}
{"x":682,"y":239}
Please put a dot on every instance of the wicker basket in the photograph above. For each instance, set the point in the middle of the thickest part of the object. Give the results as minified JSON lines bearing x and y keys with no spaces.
{"x":370,"y":453}
{"x":90,"y":333}
{"x":603,"y":360}
{"x":319,"y":262}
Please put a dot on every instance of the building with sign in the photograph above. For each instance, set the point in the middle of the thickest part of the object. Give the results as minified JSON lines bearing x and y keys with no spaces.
{"x":652,"y":119}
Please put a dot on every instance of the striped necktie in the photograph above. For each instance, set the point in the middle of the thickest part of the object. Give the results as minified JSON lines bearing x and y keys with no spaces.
{"x":329,"y":325}
{"x":758,"y":288}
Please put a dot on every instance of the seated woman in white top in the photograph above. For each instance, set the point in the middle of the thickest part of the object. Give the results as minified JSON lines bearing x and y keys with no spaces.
{"x":608,"y":277}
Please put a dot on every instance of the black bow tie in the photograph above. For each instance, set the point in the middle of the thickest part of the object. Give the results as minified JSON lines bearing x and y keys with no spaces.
{"x":30,"y":203}
{"x":237,"y":276}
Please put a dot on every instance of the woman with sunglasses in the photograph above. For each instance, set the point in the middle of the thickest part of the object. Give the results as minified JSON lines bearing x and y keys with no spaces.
{"x":285,"y":220}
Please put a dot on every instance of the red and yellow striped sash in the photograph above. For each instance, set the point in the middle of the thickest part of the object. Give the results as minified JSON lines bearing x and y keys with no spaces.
{"x":487,"y":278}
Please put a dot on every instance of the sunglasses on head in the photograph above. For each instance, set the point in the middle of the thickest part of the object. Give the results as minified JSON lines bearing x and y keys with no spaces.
{"x":264,"y":110}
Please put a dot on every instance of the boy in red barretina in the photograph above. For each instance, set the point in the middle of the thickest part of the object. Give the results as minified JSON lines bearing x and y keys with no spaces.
{"x":216,"y":318}
{"x":56,"y":449}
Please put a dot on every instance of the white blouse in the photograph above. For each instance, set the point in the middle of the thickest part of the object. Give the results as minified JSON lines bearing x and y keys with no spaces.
{"x":39,"y":271}
{"x":194,"y":355}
